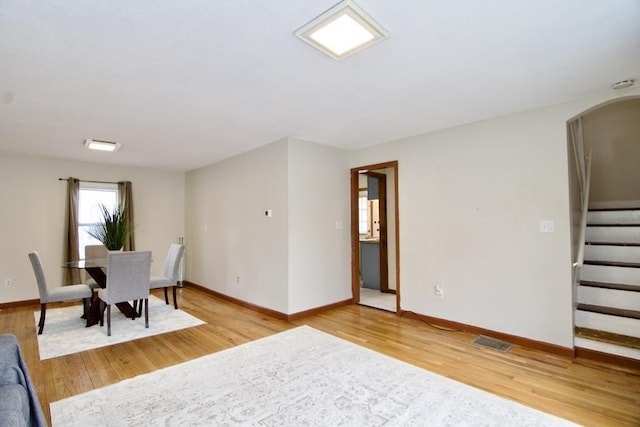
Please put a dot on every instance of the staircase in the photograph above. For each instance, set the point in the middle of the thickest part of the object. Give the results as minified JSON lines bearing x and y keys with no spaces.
{"x":607,"y":315}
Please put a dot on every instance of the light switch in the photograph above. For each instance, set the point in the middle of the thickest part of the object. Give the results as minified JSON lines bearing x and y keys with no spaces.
{"x":268,"y":213}
{"x":547,"y":226}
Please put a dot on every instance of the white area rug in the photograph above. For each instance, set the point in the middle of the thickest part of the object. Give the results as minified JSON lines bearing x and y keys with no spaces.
{"x":302,"y":377}
{"x":66,"y":333}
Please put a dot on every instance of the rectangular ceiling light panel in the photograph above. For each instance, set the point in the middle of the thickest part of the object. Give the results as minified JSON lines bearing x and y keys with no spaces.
{"x":94,"y":144}
{"x":342,"y":30}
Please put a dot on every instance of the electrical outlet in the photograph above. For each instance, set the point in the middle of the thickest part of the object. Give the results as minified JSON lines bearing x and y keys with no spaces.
{"x":437,"y":289}
{"x":8,"y":283}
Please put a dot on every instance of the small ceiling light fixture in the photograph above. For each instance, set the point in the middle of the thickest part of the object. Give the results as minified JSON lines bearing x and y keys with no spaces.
{"x":342,"y":30}
{"x":623,"y":84}
{"x":94,"y":144}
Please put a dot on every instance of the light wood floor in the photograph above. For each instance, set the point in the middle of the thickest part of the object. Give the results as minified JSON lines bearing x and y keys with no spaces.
{"x":583,"y":391}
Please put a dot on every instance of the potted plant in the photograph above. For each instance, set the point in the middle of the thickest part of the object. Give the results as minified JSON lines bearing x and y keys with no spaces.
{"x":114,"y":229}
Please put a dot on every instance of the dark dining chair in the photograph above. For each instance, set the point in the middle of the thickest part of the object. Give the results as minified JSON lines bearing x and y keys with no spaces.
{"x":128,"y":280}
{"x":169,"y":279}
{"x":58,"y":294}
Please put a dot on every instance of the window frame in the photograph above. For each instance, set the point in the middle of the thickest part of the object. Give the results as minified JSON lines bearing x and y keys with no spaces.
{"x":83,"y":238}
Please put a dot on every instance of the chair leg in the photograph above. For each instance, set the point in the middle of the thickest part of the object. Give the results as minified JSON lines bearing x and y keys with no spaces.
{"x":146,"y":312}
{"x":43,"y":314}
{"x":101,"y":312}
{"x":108,"y":320}
{"x":166,"y":296}
{"x":175,"y":301}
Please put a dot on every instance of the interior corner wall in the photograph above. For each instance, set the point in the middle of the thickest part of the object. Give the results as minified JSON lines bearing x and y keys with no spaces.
{"x":233,"y":248}
{"x":33,"y":215}
{"x":471,"y":199}
{"x":319,"y":216}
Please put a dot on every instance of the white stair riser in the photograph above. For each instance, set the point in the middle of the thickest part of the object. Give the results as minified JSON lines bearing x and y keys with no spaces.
{"x":612,"y":253}
{"x":608,"y":274}
{"x":613,"y":234}
{"x":626,"y":300}
{"x":603,"y":347}
{"x":607,"y":323}
{"x":614,"y":217}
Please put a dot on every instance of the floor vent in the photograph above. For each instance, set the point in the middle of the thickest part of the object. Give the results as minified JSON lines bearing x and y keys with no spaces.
{"x":492,"y":343}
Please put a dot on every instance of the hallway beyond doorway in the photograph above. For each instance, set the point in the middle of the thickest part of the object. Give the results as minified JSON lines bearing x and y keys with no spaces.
{"x":376,"y":299}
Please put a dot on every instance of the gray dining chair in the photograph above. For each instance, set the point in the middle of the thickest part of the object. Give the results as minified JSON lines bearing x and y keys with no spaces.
{"x":94,"y":252}
{"x":128,"y":280}
{"x":170,"y":274}
{"x":58,"y":294}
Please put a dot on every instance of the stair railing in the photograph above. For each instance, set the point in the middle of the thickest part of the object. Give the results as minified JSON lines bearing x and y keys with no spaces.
{"x":585,"y":211}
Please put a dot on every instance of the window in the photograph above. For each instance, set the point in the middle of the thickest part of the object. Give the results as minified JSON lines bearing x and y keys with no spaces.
{"x":90,"y":198}
{"x":363,"y":216}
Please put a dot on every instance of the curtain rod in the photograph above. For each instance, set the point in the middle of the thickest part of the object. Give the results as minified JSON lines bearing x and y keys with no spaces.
{"x":93,"y":182}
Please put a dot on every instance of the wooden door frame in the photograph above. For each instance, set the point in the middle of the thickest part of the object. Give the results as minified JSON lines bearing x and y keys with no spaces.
{"x":355,"y":236}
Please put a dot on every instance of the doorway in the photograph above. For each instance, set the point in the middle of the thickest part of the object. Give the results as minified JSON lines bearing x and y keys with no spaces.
{"x":375,"y":254}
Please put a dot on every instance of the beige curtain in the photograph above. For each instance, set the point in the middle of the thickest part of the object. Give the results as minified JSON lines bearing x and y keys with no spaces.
{"x":72,"y":275}
{"x":125,"y":197}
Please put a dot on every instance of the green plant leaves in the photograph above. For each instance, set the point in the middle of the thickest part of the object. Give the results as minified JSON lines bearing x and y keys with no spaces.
{"x":114,"y":229}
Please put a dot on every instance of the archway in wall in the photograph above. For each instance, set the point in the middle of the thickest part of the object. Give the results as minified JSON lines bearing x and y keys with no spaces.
{"x":604,"y":181}
{"x":601,"y":131}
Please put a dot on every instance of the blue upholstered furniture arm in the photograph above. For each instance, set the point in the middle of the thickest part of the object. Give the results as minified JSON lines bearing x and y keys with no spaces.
{"x":19,"y":404}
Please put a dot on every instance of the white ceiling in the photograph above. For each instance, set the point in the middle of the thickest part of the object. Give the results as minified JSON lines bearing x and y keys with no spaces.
{"x":183,"y":84}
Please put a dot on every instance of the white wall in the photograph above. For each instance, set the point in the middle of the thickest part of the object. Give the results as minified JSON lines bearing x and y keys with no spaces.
{"x":319,"y":253}
{"x":471,"y":198}
{"x":296,"y":260}
{"x":32,"y":215}
{"x":612,"y":134}
{"x":228,"y":235}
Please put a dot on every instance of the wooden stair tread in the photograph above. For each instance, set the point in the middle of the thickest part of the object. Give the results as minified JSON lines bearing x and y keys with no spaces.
{"x":616,"y":286}
{"x":632,"y":314}
{"x":611,"y":243}
{"x":617,"y":224}
{"x":613,"y":263}
{"x":614,"y":209}
{"x":608,"y":337}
